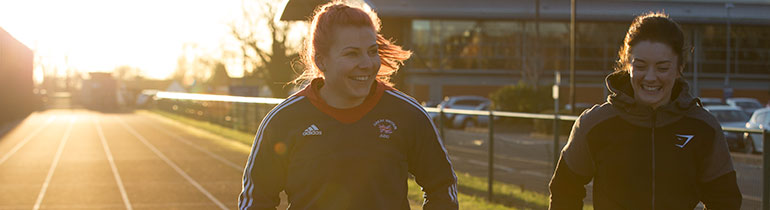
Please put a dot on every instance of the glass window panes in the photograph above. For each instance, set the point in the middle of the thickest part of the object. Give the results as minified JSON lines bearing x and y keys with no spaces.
{"x":511,"y":45}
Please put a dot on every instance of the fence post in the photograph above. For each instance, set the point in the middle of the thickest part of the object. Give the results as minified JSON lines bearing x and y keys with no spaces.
{"x":765,"y":168}
{"x":441,"y":122}
{"x":556,"y":119}
{"x":491,"y":169}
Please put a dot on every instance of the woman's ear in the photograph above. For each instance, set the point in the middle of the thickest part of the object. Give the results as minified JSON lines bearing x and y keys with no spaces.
{"x":319,"y":62}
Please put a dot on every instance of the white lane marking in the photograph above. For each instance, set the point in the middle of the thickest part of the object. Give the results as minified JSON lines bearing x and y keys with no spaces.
{"x":172,"y":164}
{"x":199,"y":148}
{"x":56,"y":159}
{"x":481,"y":163}
{"x":114,"y":168}
{"x":473,"y":151}
{"x":503,"y":168}
{"x":25,"y":140}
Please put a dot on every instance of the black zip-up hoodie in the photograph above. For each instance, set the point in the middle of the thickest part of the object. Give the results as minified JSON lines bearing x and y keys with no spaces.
{"x":671,"y":157}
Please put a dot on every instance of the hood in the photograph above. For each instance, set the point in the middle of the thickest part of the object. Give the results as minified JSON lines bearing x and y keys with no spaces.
{"x":622,"y":98}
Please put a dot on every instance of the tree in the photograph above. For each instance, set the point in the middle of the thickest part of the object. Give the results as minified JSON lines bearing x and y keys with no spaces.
{"x":273,"y":63}
{"x":194,"y":65}
{"x":125,"y":73}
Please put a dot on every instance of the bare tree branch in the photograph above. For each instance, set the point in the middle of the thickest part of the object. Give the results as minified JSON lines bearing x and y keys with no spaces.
{"x":271,"y":63}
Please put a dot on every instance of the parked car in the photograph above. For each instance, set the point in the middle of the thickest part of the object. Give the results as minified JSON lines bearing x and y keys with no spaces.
{"x":730,"y":117}
{"x":462,"y":121}
{"x":748,"y":105}
{"x":712,"y":101}
{"x":753,"y":141}
{"x":458,"y":102}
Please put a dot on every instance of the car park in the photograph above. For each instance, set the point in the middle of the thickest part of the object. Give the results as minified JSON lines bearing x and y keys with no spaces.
{"x":759,"y":120}
{"x":730,"y":117}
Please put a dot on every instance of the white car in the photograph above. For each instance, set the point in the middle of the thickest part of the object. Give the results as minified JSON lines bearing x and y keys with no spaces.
{"x":730,"y":117}
{"x":753,"y":141}
{"x":458,"y":102}
{"x":706,"y":101}
{"x":748,"y":105}
{"x":462,"y":121}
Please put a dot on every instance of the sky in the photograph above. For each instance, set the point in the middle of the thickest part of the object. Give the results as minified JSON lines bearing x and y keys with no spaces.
{"x":99,"y":35}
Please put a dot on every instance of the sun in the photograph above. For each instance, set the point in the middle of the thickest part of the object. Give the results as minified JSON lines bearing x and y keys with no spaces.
{"x":89,"y":35}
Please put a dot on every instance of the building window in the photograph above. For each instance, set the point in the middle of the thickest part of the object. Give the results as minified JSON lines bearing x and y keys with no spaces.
{"x":510,"y":45}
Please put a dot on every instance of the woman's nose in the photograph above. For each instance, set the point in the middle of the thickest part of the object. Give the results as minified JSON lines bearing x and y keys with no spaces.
{"x":650,"y":74}
{"x":365,"y":62}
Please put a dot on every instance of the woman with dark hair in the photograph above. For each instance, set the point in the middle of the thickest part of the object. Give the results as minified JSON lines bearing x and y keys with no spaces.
{"x":651,"y":145}
{"x":348,"y":140}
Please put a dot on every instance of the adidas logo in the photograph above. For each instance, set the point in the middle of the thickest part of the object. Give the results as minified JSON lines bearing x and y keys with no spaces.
{"x":312,"y":131}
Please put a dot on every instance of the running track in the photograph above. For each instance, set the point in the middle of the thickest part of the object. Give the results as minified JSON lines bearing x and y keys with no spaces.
{"x":78,"y":159}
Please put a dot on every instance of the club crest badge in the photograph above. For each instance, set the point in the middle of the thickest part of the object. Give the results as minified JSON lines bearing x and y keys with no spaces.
{"x":386,"y":128}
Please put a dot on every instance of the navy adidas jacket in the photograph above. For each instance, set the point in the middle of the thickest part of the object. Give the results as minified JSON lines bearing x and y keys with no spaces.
{"x":358,"y":158}
{"x":669,"y":158}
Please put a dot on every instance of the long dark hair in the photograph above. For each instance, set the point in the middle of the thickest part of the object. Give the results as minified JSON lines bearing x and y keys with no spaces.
{"x":653,"y":27}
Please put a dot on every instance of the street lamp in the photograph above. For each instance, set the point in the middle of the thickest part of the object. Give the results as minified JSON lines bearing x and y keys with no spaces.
{"x":727,"y":90}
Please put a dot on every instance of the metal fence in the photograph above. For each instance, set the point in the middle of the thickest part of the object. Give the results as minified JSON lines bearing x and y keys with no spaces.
{"x":245,"y":113}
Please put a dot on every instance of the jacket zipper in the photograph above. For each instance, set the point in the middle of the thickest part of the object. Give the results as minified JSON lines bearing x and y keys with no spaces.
{"x":653,"y":159}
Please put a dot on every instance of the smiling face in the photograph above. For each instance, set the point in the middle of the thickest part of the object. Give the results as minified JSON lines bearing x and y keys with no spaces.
{"x":654,"y":69}
{"x":350,"y":67}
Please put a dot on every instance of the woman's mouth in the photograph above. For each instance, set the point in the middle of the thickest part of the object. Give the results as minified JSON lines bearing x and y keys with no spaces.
{"x":360,"y":78}
{"x":651,"y":87}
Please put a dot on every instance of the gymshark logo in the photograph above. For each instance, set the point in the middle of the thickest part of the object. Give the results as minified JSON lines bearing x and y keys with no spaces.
{"x":312,"y":131}
{"x":682,"y":140}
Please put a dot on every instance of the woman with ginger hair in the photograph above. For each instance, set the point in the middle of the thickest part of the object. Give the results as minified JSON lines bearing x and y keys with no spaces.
{"x":348,"y":140}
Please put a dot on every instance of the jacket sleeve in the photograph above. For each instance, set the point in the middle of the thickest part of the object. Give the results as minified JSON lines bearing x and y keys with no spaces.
{"x":265,"y":173}
{"x":574,"y":170}
{"x":432,"y":169}
{"x":718,"y":182}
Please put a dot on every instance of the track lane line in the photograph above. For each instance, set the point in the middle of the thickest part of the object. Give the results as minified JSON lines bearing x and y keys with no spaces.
{"x":505,"y":157}
{"x":25,"y":140}
{"x":172,"y":164}
{"x":56,"y":159}
{"x":114,"y":168}
{"x":199,"y":148}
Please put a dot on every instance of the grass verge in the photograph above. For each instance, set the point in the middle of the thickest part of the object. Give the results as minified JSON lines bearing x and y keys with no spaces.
{"x":472,"y":189}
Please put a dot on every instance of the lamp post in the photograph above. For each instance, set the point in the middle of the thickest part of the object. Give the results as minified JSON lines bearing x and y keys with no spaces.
{"x":727,"y":90}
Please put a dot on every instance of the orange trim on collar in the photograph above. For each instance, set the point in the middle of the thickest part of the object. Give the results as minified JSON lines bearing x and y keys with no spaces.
{"x":345,"y":116}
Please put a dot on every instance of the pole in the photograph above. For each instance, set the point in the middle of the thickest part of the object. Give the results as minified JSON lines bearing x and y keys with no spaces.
{"x":765,"y":168}
{"x":491,"y":155}
{"x":441,"y":121}
{"x":572,"y":55}
{"x":695,"y":62}
{"x":556,"y":148}
{"x":727,"y":49}
{"x":538,"y":52}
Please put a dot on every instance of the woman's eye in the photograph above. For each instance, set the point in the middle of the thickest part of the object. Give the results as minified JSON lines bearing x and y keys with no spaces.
{"x":350,"y":54}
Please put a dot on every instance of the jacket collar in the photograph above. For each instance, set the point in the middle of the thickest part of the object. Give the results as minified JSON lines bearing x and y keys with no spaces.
{"x":347,"y":116}
{"x":622,"y":97}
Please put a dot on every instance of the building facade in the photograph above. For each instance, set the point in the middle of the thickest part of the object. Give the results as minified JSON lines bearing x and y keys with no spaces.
{"x":16,"y":86}
{"x":475,"y":47}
